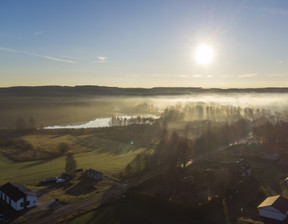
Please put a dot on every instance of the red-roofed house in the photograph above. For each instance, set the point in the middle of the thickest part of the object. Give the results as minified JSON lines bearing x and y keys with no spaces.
{"x":275,"y":207}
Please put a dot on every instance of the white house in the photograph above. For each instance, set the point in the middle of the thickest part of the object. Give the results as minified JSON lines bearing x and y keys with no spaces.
{"x":94,"y":174}
{"x":275,"y":207}
{"x":286,"y":180}
{"x":17,"y":196}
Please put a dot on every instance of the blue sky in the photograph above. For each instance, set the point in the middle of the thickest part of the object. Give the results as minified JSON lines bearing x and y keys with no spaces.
{"x":137,"y":43}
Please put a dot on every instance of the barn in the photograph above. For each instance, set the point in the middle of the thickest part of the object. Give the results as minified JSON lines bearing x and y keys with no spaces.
{"x":94,"y":174}
{"x":17,"y":196}
{"x":275,"y":207}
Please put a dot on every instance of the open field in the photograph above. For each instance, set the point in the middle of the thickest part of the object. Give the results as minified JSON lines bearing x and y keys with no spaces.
{"x":105,"y":155}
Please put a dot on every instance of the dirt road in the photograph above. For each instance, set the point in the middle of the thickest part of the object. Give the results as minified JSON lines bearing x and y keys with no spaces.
{"x":62,"y":211}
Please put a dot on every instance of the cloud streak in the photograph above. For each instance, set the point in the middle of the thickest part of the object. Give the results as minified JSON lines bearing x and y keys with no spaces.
{"x":183,"y":76}
{"x":247,"y":75}
{"x":37,"y":55}
{"x":197,"y":76}
{"x":39,"y":33}
{"x":100,"y":60}
{"x":57,"y":59}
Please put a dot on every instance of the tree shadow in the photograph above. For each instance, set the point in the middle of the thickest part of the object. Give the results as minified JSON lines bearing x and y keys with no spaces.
{"x":38,"y":162}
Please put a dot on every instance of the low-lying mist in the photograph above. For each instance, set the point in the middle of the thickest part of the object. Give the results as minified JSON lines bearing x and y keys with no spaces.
{"x":51,"y":111}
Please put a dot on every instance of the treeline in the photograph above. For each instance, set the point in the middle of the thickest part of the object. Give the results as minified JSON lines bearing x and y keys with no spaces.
{"x":219,"y":113}
{"x":275,"y":134}
{"x":126,"y":121}
{"x":221,"y":136}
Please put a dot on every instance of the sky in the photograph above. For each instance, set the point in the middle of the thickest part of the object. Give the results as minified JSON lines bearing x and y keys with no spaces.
{"x":144,"y":43}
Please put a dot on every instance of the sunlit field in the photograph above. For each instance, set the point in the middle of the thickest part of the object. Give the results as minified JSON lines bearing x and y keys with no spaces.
{"x":31,"y":173}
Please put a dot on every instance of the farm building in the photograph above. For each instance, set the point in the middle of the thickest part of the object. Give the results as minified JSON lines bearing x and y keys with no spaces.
{"x":17,"y":196}
{"x":286,"y":180}
{"x":243,"y":167}
{"x":94,"y":174}
{"x":275,"y":207}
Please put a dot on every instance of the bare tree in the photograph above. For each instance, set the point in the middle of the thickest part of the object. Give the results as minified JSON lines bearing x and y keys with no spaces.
{"x":32,"y":123}
{"x":71,"y":164}
{"x":184,"y":151}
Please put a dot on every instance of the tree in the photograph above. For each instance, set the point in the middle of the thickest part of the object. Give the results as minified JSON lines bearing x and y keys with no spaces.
{"x":184,"y":151}
{"x":138,"y":163}
{"x":71,"y":165}
{"x":63,"y":147}
{"x":21,"y":124}
{"x":31,"y":123}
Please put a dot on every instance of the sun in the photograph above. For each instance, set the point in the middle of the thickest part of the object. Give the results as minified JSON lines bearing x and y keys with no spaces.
{"x":204,"y":54}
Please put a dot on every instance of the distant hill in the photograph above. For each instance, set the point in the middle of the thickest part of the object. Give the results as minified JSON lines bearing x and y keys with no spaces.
{"x":116,"y":91}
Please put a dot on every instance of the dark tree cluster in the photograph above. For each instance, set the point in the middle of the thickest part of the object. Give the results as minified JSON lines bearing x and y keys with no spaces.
{"x":22,"y":124}
{"x":272,"y":135}
{"x":217,"y":112}
{"x":171,"y":152}
{"x":215,"y":138}
{"x":124,"y":121}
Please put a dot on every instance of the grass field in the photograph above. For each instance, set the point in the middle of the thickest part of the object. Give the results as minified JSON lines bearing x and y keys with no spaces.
{"x":105,"y":155}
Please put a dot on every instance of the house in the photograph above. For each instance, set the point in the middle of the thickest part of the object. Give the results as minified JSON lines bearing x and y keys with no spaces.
{"x":49,"y":180}
{"x":275,"y":207}
{"x":243,"y":167}
{"x":66,"y":176}
{"x":96,"y":175}
{"x":17,"y":196}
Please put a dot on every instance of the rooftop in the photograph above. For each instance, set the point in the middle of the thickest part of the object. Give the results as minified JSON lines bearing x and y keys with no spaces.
{"x":15,"y":191}
{"x":92,"y":171}
{"x":278,"y":202}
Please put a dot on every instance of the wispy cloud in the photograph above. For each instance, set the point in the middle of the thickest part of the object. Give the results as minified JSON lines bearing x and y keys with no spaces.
{"x":39,"y":33}
{"x":57,"y":59}
{"x":37,"y":55}
{"x":277,"y":75}
{"x":275,"y":11}
{"x":283,"y":61}
{"x":64,"y":56}
{"x":173,"y":76}
{"x":100,"y":60}
{"x":8,"y":49}
{"x":197,"y":76}
{"x":247,"y":75}
{"x":183,"y":76}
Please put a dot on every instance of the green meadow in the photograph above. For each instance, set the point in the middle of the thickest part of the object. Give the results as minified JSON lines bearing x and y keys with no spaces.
{"x":105,"y":155}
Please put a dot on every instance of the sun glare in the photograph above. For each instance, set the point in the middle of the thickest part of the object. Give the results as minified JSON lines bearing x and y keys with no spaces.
{"x":204,"y":54}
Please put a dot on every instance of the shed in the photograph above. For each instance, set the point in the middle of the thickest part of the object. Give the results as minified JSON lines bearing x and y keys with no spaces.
{"x":275,"y":207}
{"x":94,"y":174}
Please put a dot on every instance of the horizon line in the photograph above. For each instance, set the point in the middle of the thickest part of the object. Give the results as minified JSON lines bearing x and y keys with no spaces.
{"x":155,"y":87}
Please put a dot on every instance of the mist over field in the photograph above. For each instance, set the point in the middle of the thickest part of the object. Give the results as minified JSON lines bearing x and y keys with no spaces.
{"x":80,"y":109}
